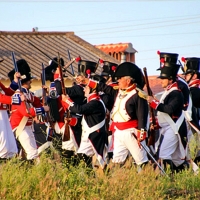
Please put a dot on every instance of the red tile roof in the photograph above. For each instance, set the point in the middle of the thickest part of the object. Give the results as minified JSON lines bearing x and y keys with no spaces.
{"x":119,"y":47}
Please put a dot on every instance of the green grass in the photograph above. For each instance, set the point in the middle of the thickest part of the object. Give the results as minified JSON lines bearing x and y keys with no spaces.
{"x":52,"y":180}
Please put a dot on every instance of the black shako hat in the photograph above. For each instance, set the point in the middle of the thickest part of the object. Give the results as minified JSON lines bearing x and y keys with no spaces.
{"x":24,"y":69}
{"x":49,"y":70}
{"x":132,"y":70}
{"x":169,"y":71}
{"x":167,"y":58}
{"x":108,"y":68}
{"x":86,"y":68}
{"x":191,"y":65}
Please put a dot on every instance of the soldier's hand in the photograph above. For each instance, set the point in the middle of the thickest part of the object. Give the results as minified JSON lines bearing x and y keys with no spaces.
{"x":46,"y":88}
{"x":57,"y":70}
{"x":65,"y":97}
{"x":23,"y":98}
{"x":150,"y":99}
{"x":86,"y":81}
{"x":46,"y":108}
{"x":16,"y":76}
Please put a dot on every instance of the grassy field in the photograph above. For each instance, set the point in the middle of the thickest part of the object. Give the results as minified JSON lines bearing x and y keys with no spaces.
{"x":52,"y":180}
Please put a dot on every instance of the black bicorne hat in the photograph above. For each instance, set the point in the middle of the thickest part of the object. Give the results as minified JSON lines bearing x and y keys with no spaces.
{"x":169,"y":71}
{"x":167,"y":58}
{"x":49,"y":70}
{"x":132,"y":70}
{"x":108,"y":68}
{"x":24,"y":69}
{"x":86,"y":68}
{"x":192,"y":65}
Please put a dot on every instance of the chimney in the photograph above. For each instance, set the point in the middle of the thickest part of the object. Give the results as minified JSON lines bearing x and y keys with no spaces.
{"x":123,"y":57}
{"x":35,"y":29}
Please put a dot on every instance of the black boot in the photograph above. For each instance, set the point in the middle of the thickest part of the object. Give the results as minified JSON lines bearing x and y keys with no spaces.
{"x":182,"y":167}
{"x":86,"y":159}
{"x":110,"y":155}
{"x":169,"y":163}
{"x":197,"y":160}
{"x":67,"y":157}
{"x":3,"y":160}
{"x":142,"y":166}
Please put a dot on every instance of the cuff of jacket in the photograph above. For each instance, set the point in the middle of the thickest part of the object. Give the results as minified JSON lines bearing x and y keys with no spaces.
{"x":14,"y":85}
{"x":69,"y":103}
{"x":16,"y":99}
{"x":92,"y":84}
{"x":154,"y":104}
{"x":73,"y":121}
{"x":57,"y":77}
{"x":141,"y":134}
{"x":40,"y":111}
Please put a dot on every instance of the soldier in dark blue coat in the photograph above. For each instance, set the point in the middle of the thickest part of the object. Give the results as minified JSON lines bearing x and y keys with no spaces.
{"x":192,"y":76}
{"x":76,"y":93}
{"x":129,"y":114}
{"x":94,"y":139}
{"x":171,"y":120}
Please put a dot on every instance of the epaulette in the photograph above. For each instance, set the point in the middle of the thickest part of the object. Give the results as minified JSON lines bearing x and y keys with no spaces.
{"x":116,"y":87}
{"x":141,"y":93}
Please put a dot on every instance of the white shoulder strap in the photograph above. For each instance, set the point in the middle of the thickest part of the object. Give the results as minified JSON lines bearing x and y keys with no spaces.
{"x":21,"y":126}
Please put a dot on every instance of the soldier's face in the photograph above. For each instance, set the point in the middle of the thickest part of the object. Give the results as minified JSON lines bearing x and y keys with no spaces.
{"x":27,"y":85}
{"x":164,"y":82}
{"x":80,"y":79}
{"x":188,"y":77}
{"x":123,"y":82}
{"x":87,"y":91}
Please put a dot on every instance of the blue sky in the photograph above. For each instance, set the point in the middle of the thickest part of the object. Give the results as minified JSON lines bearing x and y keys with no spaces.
{"x":167,"y":26}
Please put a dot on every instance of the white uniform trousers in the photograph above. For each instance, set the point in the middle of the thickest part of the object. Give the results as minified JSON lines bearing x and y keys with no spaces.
{"x":169,"y":147}
{"x":8,"y":146}
{"x":125,"y":142}
{"x":70,"y":145}
{"x":87,"y":148}
{"x":27,"y":140}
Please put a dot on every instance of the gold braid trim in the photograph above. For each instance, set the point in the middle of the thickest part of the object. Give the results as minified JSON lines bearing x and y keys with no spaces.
{"x":141,"y":93}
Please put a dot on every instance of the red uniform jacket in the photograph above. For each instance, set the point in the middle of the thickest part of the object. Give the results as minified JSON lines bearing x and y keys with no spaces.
{"x":19,"y":111}
{"x":5,"y":96}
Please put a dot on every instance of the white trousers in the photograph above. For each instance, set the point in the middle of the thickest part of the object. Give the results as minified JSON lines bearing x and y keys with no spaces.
{"x":87,"y":148}
{"x":27,"y":140}
{"x":169,"y":147}
{"x":8,"y":146}
{"x":125,"y":142}
{"x":70,"y":145}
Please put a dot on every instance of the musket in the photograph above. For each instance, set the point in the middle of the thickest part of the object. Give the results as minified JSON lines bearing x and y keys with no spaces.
{"x":148,"y":152}
{"x":151,"y":140}
{"x":19,"y":80}
{"x":66,"y":134}
{"x":47,"y":117}
{"x":69,"y":56}
{"x":63,"y":67}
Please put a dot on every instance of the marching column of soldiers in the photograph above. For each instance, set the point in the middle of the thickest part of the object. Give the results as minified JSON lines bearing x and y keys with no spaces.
{"x":105,"y":115}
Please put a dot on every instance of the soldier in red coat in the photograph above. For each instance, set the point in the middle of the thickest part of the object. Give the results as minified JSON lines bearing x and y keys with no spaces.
{"x":23,"y":112}
{"x":8,"y":146}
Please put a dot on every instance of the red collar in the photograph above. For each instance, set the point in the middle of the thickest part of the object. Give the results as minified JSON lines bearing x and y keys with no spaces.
{"x":194,"y":83}
{"x":92,"y":97}
{"x":130,"y":88}
{"x":173,"y":85}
